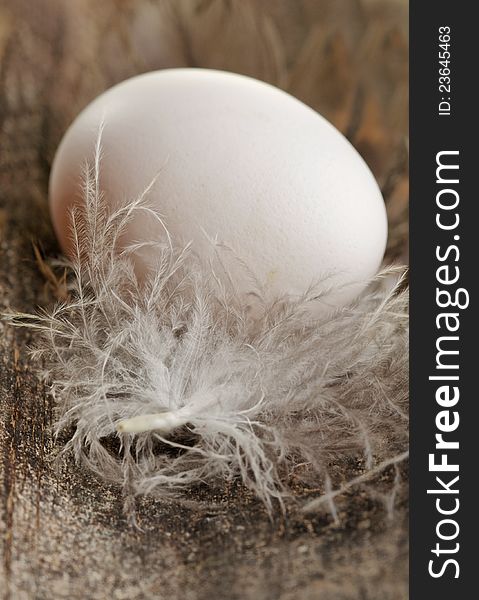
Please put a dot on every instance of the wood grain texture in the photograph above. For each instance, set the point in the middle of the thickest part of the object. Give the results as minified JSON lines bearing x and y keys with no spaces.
{"x":62,"y":531}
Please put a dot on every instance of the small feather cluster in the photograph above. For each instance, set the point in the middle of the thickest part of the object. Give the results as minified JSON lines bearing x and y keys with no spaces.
{"x":173,"y":380}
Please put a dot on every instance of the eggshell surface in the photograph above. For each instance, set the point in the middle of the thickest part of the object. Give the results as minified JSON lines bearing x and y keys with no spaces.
{"x":236,"y":160}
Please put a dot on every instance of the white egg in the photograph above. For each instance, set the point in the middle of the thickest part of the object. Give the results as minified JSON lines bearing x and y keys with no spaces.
{"x":239,"y":161}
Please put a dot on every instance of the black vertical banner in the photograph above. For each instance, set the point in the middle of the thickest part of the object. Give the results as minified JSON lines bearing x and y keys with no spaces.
{"x":444,"y":224}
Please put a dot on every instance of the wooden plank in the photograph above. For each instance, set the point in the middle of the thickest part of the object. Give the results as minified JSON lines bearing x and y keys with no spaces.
{"x":63,"y":534}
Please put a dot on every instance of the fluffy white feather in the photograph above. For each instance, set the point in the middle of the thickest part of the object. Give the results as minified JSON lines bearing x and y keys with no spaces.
{"x":198,"y":386}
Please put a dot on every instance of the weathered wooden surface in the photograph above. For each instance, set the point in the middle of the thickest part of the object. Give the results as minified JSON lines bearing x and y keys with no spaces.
{"x":62,"y":531}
